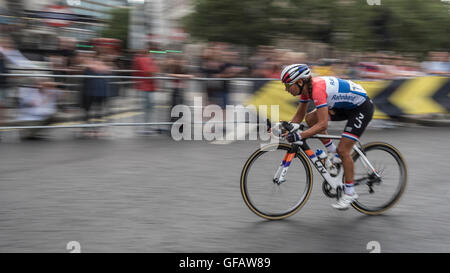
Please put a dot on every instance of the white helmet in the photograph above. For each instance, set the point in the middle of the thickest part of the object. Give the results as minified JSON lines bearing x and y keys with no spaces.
{"x":294,"y":72}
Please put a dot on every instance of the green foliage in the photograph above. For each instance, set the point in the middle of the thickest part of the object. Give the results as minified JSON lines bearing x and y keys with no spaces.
{"x":244,"y":22}
{"x":397,"y":25}
{"x":118,"y":26}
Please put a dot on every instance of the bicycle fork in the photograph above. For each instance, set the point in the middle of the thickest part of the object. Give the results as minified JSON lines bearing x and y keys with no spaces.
{"x":280,"y":175}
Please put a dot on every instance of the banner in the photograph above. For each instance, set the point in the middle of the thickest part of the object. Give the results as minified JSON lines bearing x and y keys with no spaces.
{"x":392,"y":98}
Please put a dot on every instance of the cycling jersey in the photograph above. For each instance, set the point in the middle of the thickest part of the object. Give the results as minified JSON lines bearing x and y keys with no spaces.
{"x":335,"y":93}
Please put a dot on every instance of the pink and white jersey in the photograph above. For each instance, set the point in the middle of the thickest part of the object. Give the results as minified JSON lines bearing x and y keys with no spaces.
{"x":335,"y":93}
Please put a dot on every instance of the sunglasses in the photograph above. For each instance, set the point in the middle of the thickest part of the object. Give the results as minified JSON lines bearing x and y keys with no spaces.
{"x":287,"y":85}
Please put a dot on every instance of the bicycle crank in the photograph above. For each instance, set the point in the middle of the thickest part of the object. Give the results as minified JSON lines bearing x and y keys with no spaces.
{"x":328,"y":190}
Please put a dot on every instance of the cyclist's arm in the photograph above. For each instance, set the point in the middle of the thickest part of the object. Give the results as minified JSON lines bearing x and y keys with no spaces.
{"x":320,"y":126}
{"x":319,"y":96}
{"x":301,"y":112}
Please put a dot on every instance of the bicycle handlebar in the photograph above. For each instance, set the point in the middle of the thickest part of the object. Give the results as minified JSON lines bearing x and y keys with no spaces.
{"x":288,"y":126}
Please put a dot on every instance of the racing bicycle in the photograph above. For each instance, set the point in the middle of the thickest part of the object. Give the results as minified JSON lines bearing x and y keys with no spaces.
{"x":275,"y":190}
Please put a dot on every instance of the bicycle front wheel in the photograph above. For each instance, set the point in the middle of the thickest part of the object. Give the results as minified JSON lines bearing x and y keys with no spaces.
{"x":378,"y":195}
{"x":267,"y":198}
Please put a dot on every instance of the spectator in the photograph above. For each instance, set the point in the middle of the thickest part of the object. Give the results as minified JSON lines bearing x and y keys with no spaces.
{"x":67,"y":51}
{"x":176,"y":67}
{"x":9,"y":55}
{"x":3,"y":86}
{"x":370,"y":68}
{"x":259,"y":60}
{"x":95,"y":91}
{"x":230,"y":68}
{"x":264,"y":64}
{"x":37,"y":106}
{"x":145,"y":66}
{"x":210,"y":68}
{"x":270,"y":70}
{"x":109,"y":59}
{"x":404,"y":68}
{"x":341,"y":69}
{"x":14,"y":56}
{"x":438,"y":63}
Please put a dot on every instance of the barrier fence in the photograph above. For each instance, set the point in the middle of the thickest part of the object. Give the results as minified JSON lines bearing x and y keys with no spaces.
{"x":133,"y":77}
{"x":392,"y":98}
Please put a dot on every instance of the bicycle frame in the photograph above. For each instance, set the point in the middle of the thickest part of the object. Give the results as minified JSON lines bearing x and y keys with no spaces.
{"x":336,"y":181}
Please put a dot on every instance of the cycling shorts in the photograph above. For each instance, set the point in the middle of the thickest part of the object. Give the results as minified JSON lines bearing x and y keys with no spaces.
{"x":357,"y":119}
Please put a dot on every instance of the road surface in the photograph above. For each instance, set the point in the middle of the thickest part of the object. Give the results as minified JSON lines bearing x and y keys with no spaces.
{"x":151,"y":194}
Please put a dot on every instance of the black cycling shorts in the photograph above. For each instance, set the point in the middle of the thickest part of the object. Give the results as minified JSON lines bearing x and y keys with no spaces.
{"x":358,"y":119}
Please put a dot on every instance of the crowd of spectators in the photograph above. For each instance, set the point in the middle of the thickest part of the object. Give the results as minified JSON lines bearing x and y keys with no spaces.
{"x":213,"y":60}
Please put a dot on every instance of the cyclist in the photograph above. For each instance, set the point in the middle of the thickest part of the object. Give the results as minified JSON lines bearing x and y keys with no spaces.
{"x":336,"y":100}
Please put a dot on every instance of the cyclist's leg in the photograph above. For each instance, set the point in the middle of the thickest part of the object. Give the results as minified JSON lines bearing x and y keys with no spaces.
{"x":344,"y":150}
{"x":349,"y":196}
{"x":333,"y":115}
{"x":355,"y":127}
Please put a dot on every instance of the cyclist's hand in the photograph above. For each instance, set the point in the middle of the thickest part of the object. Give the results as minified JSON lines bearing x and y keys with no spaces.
{"x":295,"y":126}
{"x":290,"y":127}
{"x":277,"y":130}
{"x":293,"y":137}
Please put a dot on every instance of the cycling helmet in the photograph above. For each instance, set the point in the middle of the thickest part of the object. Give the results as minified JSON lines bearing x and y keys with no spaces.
{"x":294,"y":72}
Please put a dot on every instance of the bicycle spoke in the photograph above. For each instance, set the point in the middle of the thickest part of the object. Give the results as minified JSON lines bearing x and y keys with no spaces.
{"x":276,"y":188}
{"x":365,"y":193}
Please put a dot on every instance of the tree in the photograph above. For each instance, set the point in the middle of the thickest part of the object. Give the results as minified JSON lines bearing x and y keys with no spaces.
{"x":118,"y":26}
{"x":243,"y":22}
{"x":398,"y":25}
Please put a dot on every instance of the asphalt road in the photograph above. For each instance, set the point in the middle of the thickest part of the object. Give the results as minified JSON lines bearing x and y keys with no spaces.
{"x":153,"y":194}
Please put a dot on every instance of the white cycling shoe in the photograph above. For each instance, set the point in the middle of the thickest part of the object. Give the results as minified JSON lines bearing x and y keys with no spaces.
{"x":345,"y":201}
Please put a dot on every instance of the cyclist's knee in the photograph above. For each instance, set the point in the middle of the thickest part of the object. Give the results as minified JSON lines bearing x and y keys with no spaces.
{"x":342,"y":152}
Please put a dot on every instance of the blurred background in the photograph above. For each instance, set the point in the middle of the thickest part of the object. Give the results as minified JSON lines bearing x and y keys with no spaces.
{"x":191,"y":40}
{"x":69,"y":62}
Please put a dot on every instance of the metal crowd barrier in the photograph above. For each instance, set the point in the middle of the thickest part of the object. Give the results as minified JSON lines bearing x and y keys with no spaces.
{"x":124,"y":124}
{"x":92,"y":125}
{"x":135,"y":77}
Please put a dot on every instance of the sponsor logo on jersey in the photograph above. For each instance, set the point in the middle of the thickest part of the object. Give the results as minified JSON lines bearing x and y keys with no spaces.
{"x":344,"y":97}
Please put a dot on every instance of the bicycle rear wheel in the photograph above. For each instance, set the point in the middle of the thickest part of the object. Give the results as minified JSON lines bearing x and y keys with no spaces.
{"x":376,"y":196}
{"x":267,"y":198}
